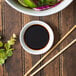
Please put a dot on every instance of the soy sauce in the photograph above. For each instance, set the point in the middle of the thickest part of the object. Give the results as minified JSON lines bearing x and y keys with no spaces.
{"x":36,"y":37}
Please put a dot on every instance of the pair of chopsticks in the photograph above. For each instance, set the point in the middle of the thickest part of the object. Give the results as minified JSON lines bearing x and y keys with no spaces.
{"x":54,"y":57}
{"x":59,"y":53}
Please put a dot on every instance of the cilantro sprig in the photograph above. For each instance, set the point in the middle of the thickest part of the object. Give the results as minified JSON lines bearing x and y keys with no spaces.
{"x":6,"y":49}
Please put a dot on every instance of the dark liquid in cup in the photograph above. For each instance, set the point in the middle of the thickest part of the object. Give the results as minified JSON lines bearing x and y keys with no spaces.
{"x":36,"y":37}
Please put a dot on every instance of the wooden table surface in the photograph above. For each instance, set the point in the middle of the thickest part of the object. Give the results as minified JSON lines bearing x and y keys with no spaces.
{"x":12,"y":21}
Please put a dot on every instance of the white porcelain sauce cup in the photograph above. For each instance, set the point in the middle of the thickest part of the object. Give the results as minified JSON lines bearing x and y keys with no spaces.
{"x":40,"y":51}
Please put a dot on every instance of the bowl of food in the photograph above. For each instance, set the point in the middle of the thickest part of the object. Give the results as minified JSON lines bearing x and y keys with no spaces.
{"x":39,"y":7}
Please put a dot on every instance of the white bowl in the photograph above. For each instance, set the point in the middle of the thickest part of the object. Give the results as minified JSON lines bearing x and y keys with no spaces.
{"x":32,"y":12}
{"x":40,"y":51}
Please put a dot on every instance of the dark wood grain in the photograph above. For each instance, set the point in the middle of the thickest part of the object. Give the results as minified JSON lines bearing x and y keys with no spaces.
{"x":1,"y":67}
{"x":21,"y":61}
{"x":68,"y":59}
{"x":12,"y":24}
{"x":53,"y":68}
{"x":0,"y":16}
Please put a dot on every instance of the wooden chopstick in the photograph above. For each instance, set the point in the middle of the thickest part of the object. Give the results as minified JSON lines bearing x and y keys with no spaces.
{"x":54,"y":57}
{"x":59,"y":42}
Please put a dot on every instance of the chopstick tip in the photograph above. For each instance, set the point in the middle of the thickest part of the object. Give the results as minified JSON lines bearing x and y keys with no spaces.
{"x":75,"y":40}
{"x":75,"y":26}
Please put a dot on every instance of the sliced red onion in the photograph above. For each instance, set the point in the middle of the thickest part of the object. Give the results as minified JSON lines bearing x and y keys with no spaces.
{"x":42,"y":8}
{"x":59,"y":0}
{"x":45,"y":7}
{"x":55,"y":5}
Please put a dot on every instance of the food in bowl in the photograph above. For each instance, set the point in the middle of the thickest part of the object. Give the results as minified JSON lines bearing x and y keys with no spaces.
{"x":39,"y":5}
{"x":52,"y":10}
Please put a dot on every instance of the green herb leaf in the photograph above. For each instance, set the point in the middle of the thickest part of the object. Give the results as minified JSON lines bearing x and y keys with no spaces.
{"x":2,"y":61}
{"x":7,"y":50}
{"x":30,"y":3}
{"x":1,"y":44}
{"x":9,"y":53}
{"x":7,"y":46}
{"x":2,"y":50}
{"x":12,"y":41}
{"x":47,"y":2}
{"x":3,"y":55}
{"x":22,"y":3}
